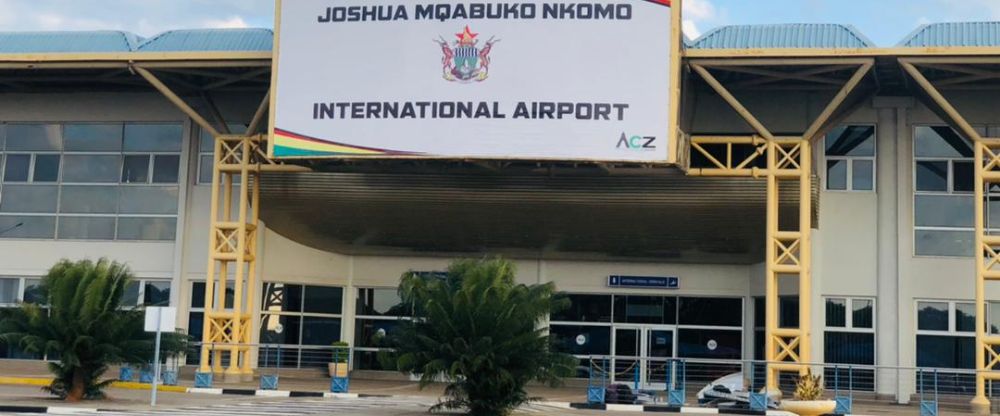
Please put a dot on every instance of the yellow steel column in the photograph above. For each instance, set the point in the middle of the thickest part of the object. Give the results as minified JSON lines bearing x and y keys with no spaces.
{"x":232,"y":247}
{"x":771,"y":275}
{"x":980,"y":403}
{"x":805,"y":251}
{"x":207,"y":332}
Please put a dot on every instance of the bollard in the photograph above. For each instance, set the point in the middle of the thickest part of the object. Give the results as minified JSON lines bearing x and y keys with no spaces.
{"x":203,"y":380}
{"x":125,"y":374}
{"x":595,"y":392}
{"x":169,"y":378}
{"x":758,"y":400}
{"x":676,"y":390}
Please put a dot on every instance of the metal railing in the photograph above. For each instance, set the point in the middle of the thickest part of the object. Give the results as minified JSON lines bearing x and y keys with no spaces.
{"x":280,"y":356}
{"x":652,"y":378}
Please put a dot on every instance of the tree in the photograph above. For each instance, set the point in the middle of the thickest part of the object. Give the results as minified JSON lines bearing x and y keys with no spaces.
{"x":479,"y":330}
{"x":84,"y":323}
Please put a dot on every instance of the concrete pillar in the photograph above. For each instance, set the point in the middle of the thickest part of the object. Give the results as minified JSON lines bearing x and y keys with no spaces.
{"x":890,"y":157}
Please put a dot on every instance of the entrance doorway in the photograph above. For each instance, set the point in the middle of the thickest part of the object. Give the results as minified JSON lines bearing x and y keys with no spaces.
{"x":641,"y":353}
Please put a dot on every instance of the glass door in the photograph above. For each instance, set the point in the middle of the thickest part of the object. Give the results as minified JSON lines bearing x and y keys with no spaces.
{"x":658,"y":349}
{"x":628,"y":347}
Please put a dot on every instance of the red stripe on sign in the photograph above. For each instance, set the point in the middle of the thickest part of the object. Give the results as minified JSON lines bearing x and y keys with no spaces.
{"x":667,"y":2}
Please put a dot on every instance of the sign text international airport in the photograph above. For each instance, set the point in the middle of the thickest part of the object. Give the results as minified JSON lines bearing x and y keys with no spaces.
{"x":494,"y":80}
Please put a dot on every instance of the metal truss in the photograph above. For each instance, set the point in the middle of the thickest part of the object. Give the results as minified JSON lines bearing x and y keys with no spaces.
{"x":987,"y":172}
{"x":778,"y":160}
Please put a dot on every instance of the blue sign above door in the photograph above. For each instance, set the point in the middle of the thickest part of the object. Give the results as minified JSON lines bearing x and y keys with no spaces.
{"x":648,"y":282}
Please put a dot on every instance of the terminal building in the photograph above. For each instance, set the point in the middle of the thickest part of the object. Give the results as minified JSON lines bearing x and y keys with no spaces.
{"x":105,"y":154}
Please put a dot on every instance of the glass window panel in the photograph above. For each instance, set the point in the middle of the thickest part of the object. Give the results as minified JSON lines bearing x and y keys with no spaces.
{"x":156,"y":294}
{"x":34,"y":137}
{"x":205,"y":169}
{"x":197,"y":294}
{"x":374,"y":333}
{"x":943,"y":211}
{"x":323,"y":299}
{"x":581,"y":339}
{"x":135,"y":169}
{"x":148,"y":199}
{"x":932,"y":176}
{"x":965,"y":317}
{"x":932,"y":316}
{"x":147,"y":228}
{"x":836,"y":312}
{"x":92,"y":168}
{"x":280,"y":329}
{"x":380,"y":302}
{"x":281,"y":297}
{"x":131,"y":295}
{"x":29,"y":198}
{"x":940,"y":141}
{"x":17,"y":168}
{"x":368,"y":360}
{"x":711,"y":311}
{"x":788,"y":311}
{"x":89,"y":199}
{"x":993,"y":313}
{"x":946,"y":351}
{"x":645,"y":309}
{"x":862,"y":173}
{"x":320,"y":331}
{"x":93,"y":137}
{"x":166,"y":168}
{"x":585,"y":308}
{"x":33,"y":292}
{"x":944,"y":243}
{"x":46,"y":168}
{"x":27,"y":227}
{"x":862,"y":313}
{"x":709,"y":343}
{"x":849,"y":348}
{"x":963,"y":176}
{"x":836,"y":175}
{"x":851,"y":141}
{"x":759,"y":312}
{"x":8,"y":290}
{"x":196,"y":325}
{"x":86,"y":228}
{"x":153,"y":137}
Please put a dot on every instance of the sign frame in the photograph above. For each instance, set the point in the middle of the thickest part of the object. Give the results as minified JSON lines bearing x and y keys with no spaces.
{"x":644,"y":282}
{"x":676,"y":53}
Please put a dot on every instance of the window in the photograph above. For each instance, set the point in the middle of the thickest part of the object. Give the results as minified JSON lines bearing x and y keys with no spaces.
{"x":100,"y":181}
{"x":946,"y":338}
{"x":9,"y":288}
{"x":298,"y":317}
{"x":206,"y":146}
{"x":585,"y":308}
{"x":943,"y":186}
{"x":378,"y":314}
{"x":703,"y":327}
{"x":850,"y":158}
{"x":849,"y":339}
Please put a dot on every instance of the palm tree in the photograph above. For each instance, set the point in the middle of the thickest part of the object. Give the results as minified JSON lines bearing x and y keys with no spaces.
{"x":85,"y":325}
{"x":479,"y":330}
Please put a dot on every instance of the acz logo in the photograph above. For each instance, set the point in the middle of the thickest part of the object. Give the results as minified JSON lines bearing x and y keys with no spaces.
{"x":636,"y":142}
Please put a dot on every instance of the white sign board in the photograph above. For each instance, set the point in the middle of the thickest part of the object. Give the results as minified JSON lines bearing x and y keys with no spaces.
{"x":162,"y":318}
{"x":532,"y":79}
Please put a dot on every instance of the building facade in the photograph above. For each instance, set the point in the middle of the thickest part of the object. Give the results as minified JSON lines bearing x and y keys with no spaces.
{"x":98,"y":164}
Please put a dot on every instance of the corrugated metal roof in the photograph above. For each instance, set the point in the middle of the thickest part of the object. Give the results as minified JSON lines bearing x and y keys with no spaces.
{"x":954,"y":34}
{"x":66,"y":42}
{"x":797,"y":35}
{"x":230,"y":40}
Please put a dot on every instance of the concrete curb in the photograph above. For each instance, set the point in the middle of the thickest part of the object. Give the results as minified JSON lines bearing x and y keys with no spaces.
{"x":51,"y":410}
{"x":43,"y":381}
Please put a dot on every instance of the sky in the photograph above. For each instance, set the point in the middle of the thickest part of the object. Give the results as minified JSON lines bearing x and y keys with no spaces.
{"x":885,"y":22}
